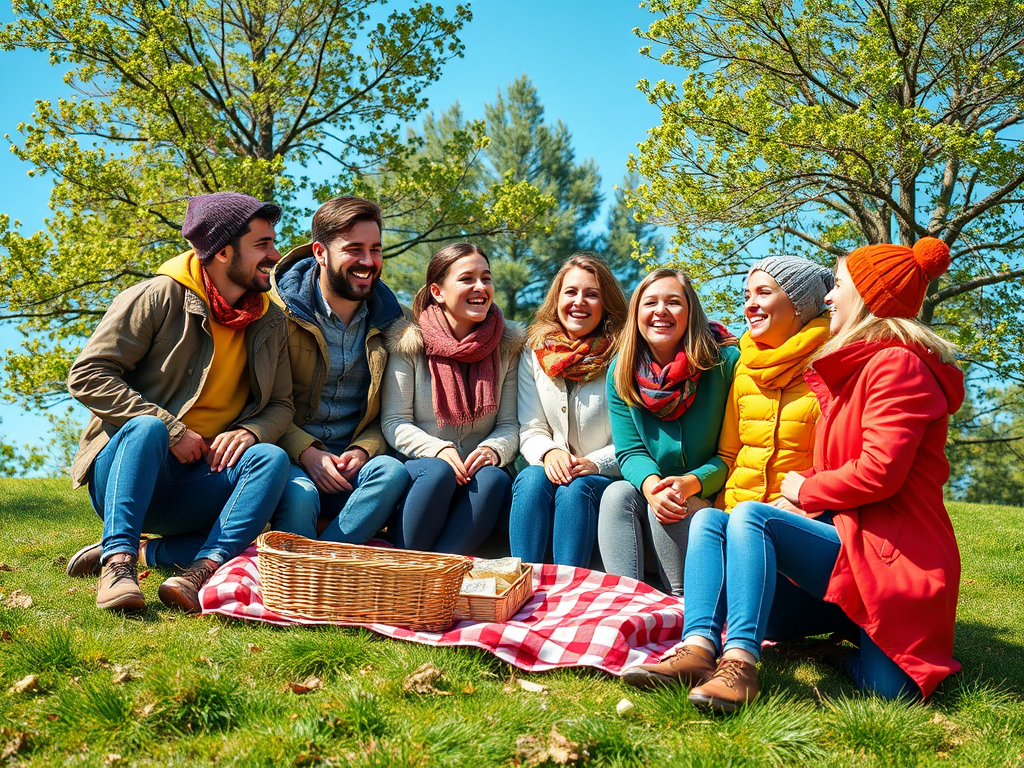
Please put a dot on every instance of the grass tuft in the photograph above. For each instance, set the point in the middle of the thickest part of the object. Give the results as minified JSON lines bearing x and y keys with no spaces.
{"x":325,"y":652}
{"x":191,"y":701}
{"x":889,"y":731}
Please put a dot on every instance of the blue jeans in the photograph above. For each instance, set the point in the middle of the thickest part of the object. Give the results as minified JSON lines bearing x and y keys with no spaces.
{"x":732,"y":571}
{"x":629,"y":534}
{"x":355,"y":516}
{"x":439,"y":515}
{"x":554,"y":523}
{"x":137,"y":486}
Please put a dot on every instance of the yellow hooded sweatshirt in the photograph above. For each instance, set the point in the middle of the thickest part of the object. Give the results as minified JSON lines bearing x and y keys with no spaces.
{"x":226,"y":387}
{"x":770,"y":416}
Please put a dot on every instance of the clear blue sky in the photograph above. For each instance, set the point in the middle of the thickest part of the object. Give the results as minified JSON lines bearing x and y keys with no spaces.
{"x":580,"y":54}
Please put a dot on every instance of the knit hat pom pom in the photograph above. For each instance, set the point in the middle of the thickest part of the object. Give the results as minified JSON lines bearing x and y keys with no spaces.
{"x":932,"y":255}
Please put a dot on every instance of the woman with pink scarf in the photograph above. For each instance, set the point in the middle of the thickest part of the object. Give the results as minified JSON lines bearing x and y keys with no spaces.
{"x":448,"y":405}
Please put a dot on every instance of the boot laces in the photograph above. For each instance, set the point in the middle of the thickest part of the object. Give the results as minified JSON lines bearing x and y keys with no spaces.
{"x":198,"y":575}
{"x":730,"y":671}
{"x":124,"y":569}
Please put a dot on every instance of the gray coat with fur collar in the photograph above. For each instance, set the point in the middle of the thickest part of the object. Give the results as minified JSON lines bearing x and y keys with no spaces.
{"x":407,"y":409}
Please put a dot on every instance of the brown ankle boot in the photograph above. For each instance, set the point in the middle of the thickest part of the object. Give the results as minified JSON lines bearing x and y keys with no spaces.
{"x":690,"y":665}
{"x":86,"y":561}
{"x":733,"y":685}
{"x":118,"y":589}
{"x":183,"y":591}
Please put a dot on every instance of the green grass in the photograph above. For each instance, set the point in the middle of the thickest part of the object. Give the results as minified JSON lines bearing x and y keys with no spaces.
{"x":207,"y":690}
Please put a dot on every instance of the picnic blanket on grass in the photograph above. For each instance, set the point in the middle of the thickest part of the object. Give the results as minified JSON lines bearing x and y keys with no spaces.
{"x":575,"y":618}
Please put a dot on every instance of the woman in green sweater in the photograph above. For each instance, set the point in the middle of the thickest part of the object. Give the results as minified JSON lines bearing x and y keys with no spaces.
{"x":666,"y":395}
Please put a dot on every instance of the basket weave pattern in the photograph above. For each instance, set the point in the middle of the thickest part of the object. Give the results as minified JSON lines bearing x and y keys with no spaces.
{"x":353,"y":584}
{"x":497,"y":608}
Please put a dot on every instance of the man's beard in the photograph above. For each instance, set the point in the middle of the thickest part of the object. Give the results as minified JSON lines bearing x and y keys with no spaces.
{"x":237,"y":275}
{"x":341,"y":287}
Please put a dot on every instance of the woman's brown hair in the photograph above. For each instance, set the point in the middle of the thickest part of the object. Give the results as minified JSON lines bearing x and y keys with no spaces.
{"x":613,"y":303}
{"x":438,"y":267}
{"x":701,"y":349}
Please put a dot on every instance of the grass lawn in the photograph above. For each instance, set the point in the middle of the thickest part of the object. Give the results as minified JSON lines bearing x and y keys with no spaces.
{"x":207,"y":690}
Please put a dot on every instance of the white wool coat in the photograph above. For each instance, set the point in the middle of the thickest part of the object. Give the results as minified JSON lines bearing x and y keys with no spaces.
{"x":545,"y":411}
{"x":407,"y":407}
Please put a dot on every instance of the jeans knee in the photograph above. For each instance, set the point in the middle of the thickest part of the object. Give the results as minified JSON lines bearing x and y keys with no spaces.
{"x":389,"y":469}
{"x":748,"y":513}
{"x":619,"y":501}
{"x":436,"y":474}
{"x":494,"y":479}
{"x":148,"y":429}
{"x":268,"y":456}
{"x":299,"y":507}
{"x":530,"y":479}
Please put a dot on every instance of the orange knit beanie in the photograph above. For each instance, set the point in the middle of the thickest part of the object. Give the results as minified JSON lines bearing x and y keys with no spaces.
{"x":892,"y":279}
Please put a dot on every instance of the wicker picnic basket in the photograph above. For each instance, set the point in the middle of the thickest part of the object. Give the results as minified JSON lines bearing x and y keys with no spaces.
{"x":348,"y":583}
{"x":497,"y":608}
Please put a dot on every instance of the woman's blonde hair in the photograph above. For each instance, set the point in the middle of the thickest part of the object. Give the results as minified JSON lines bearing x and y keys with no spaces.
{"x":867,"y":326}
{"x":701,"y":348}
{"x":613,"y":303}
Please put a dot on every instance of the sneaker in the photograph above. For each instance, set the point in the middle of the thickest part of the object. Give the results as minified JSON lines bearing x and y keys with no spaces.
{"x":119,"y":587}
{"x":733,"y":685}
{"x":690,"y":665}
{"x":86,"y":561}
{"x":183,"y":591}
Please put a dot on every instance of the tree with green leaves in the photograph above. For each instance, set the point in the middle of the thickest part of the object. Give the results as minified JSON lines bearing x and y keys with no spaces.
{"x":524,"y":148}
{"x":986,"y":447}
{"x":631,"y":243}
{"x":293,"y":102}
{"x":819,"y":126}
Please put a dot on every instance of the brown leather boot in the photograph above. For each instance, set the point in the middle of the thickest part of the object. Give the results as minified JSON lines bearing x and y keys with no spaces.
{"x":86,"y":561}
{"x":183,"y":591}
{"x":118,"y":589}
{"x":733,"y":685}
{"x":690,"y":665}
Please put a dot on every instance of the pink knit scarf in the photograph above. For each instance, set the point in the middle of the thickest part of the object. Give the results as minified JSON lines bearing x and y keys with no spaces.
{"x":464,"y":373}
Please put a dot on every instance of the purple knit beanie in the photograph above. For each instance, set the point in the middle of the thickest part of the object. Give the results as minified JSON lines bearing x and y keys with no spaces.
{"x":212,"y":221}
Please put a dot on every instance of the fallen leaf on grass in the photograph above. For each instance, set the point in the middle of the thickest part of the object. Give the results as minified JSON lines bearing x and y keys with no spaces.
{"x":555,"y":750}
{"x":17,"y":743}
{"x":111,"y":758}
{"x":469,"y":690}
{"x":123,"y":674}
{"x":52,"y":717}
{"x":253,"y":648}
{"x":60,"y":560}
{"x":144,"y":574}
{"x":423,"y":679}
{"x":531,"y":687}
{"x":311,"y":683}
{"x":5,"y":637}
{"x":5,"y":567}
{"x":72,"y":590}
{"x":147,"y":710}
{"x":26,"y":684}
{"x":18,"y":599}
{"x":306,"y":758}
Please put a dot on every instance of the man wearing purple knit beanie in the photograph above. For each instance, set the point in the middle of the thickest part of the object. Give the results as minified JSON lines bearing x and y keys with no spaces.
{"x":188,"y":380}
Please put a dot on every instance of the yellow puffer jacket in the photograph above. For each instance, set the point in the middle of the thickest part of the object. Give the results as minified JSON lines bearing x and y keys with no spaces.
{"x":770,"y":416}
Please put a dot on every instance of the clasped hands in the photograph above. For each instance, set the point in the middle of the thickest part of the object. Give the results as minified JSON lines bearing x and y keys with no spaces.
{"x":561,"y":467}
{"x":667,"y":496}
{"x":478,"y":458}
{"x":221,"y":453}
{"x":333,"y":473}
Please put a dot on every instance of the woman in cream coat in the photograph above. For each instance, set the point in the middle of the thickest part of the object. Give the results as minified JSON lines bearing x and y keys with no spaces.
{"x":448,"y":405}
{"x":565,"y":433}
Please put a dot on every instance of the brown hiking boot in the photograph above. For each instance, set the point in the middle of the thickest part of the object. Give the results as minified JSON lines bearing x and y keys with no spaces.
{"x":733,"y":685}
{"x":86,"y":561}
{"x":690,"y":665}
{"x":183,"y":591}
{"x":119,"y":586}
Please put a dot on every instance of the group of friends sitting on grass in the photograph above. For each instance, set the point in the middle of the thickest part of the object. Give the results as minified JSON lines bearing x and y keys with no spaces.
{"x":788,"y":482}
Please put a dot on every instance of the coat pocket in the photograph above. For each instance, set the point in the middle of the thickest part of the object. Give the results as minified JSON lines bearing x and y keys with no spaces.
{"x":883,"y":534}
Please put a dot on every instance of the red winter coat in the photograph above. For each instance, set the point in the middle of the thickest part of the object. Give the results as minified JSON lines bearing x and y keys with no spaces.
{"x":879,"y":458}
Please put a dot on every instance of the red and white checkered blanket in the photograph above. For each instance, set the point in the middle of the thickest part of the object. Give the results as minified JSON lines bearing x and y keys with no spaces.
{"x":575,"y":618}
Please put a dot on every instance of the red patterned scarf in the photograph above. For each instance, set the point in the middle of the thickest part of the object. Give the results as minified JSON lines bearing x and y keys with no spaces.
{"x":667,"y":392}
{"x":574,"y":359}
{"x":462,"y":398}
{"x":248,"y":308}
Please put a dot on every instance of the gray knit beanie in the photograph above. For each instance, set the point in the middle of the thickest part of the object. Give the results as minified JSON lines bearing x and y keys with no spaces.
{"x":804,"y":282}
{"x":212,"y":221}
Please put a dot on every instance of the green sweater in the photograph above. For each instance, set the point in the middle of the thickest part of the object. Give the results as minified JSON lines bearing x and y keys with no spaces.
{"x":645,"y":445}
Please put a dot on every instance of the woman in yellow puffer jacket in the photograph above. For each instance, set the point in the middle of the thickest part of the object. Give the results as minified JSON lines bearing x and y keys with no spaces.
{"x":770,"y":416}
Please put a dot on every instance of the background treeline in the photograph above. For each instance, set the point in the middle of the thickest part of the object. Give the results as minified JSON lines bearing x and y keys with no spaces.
{"x":797,"y":127}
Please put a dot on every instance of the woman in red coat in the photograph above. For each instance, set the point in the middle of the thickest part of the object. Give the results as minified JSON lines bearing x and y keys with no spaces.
{"x":865,"y":529}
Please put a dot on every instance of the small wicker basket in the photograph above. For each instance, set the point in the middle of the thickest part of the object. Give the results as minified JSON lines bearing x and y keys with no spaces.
{"x":352,"y":584}
{"x":497,"y":608}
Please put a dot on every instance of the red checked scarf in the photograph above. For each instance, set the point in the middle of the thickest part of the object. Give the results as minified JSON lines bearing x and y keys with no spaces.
{"x":248,"y":309}
{"x":574,"y":359}
{"x":667,"y":392}
{"x":461,"y":398}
